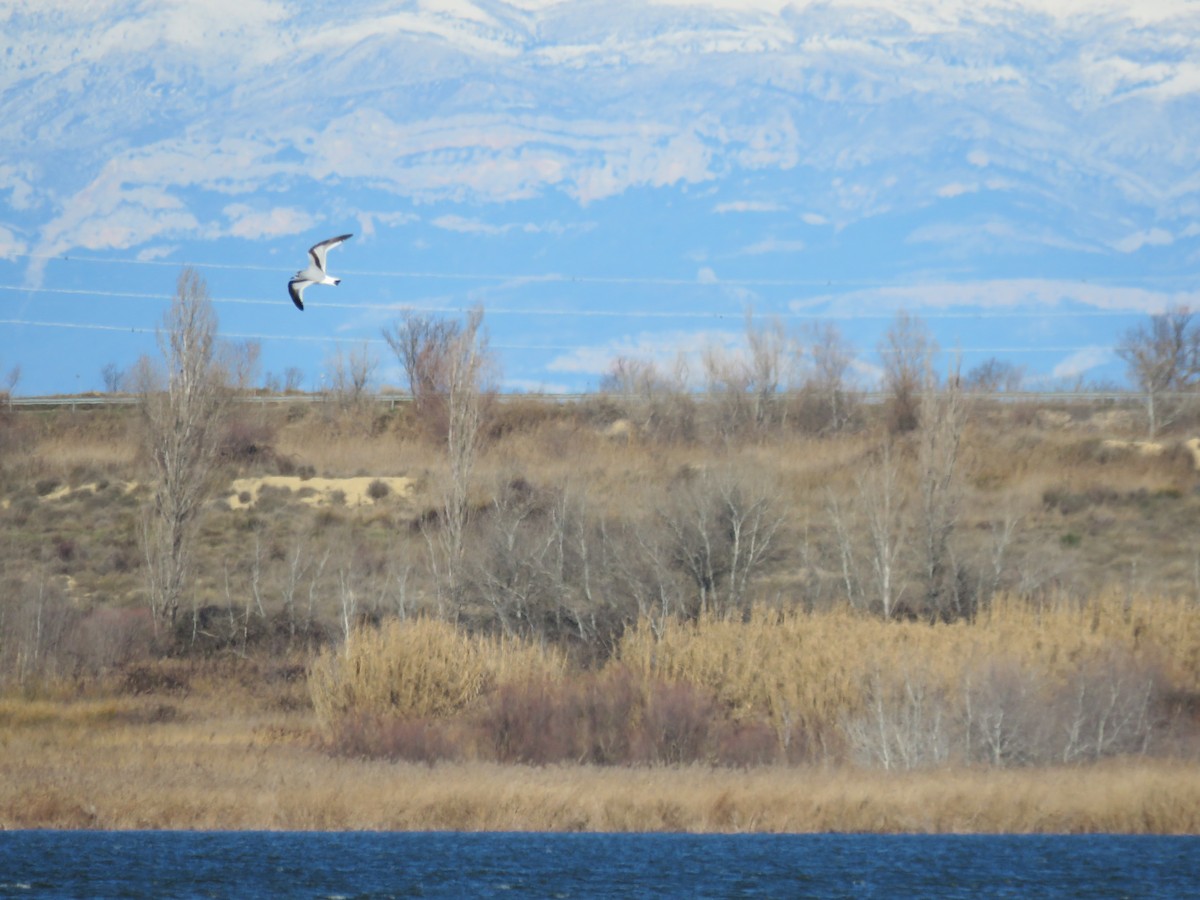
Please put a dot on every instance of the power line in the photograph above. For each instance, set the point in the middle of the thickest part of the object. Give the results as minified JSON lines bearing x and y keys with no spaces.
{"x":552,"y":277}
{"x":241,"y":335}
{"x":400,"y":306}
{"x":322,"y":339}
{"x":546,"y":277}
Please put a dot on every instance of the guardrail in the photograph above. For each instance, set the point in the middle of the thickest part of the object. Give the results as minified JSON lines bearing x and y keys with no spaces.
{"x":77,"y":401}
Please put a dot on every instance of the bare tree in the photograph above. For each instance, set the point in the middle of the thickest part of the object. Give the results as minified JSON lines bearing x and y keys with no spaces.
{"x":349,"y":374}
{"x":771,"y":362}
{"x":747,"y":383}
{"x":424,"y":345}
{"x":241,"y":361}
{"x":939,"y":483}
{"x":449,"y":368}
{"x":11,"y":380}
{"x":183,"y":405}
{"x":114,"y":377}
{"x":658,"y":402}
{"x":906,"y":352}
{"x":629,"y":377}
{"x":873,"y":533}
{"x":721,"y":531}
{"x":467,"y":373}
{"x":730,"y":392}
{"x":994,"y":375}
{"x":883,"y":499}
{"x":293,"y":377}
{"x":1163,"y":358}
{"x":829,"y":358}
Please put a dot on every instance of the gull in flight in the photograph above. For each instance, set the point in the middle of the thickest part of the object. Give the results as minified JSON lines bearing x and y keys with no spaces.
{"x":315,"y":273}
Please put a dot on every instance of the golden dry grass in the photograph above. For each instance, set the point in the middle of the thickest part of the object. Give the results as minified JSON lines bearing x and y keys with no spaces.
{"x":346,"y":446}
{"x":420,"y":668}
{"x":110,"y":766}
{"x":811,"y":669}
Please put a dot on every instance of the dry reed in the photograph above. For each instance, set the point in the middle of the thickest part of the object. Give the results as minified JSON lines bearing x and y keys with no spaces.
{"x":231,"y":771}
{"x":811,"y":670}
{"x":420,"y":668}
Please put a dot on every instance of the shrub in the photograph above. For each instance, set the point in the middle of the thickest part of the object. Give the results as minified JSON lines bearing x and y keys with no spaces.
{"x":418,"y":668}
{"x":245,"y":441}
{"x":388,"y":737}
{"x":531,"y":723}
{"x":65,"y":548}
{"x":378,"y":489}
{"x":163,"y":677}
{"x":1009,"y":714}
{"x":679,"y":725}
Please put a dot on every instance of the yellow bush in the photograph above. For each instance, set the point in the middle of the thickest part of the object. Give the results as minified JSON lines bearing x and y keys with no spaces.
{"x":811,"y":670}
{"x":418,"y":668}
{"x":802,"y":672}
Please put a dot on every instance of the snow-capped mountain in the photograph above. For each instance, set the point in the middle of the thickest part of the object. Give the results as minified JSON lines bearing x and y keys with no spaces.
{"x":604,"y":178}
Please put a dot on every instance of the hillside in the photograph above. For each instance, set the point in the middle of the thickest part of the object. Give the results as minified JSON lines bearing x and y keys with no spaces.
{"x":634,"y":586}
{"x":325,"y":502}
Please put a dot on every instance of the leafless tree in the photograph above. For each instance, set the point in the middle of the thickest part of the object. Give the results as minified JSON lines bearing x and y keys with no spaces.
{"x":745,"y":385}
{"x":11,"y":380}
{"x":906,"y":352}
{"x":293,"y":377}
{"x":628,"y":377}
{"x":994,"y":375}
{"x":905,"y":725}
{"x":114,"y":377}
{"x":449,"y":370}
{"x":537,"y":569}
{"x":183,"y":405}
{"x":829,"y":358}
{"x":658,"y":402}
{"x":771,"y":363}
{"x":874,"y":533}
{"x":637,"y":557}
{"x":729,"y":391}
{"x":883,"y":499}
{"x":721,"y":529}
{"x":939,"y":483}
{"x":349,"y":373}
{"x":424,"y":345}
{"x":241,"y":361}
{"x":467,"y":373}
{"x":1163,"y":358}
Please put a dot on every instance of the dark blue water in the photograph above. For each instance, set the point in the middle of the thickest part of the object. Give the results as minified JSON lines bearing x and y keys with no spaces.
{"x":276,"y":864}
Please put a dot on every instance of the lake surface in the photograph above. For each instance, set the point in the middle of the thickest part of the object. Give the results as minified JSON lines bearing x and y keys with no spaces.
{"x":356,"y":864}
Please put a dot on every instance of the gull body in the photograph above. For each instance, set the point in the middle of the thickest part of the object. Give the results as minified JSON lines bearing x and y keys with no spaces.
{"x":315,"y":272}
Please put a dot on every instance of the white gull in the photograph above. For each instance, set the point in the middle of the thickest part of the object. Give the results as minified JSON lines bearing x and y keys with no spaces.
{"x":315,"y":273}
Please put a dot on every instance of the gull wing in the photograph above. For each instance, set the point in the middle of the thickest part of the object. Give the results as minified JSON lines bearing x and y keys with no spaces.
{"x":317,"y":251}
{"x":296,"y":289}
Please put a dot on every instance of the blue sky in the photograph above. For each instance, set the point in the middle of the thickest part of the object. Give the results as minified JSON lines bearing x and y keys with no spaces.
{"x":605,"y":178}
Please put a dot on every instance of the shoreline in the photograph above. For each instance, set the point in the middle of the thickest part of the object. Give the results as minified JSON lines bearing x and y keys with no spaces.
{"x":104,"y":765}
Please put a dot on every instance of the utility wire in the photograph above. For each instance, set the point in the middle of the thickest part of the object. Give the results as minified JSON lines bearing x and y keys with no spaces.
{"x":84,"y":326}
{"x":400,"y":306}
{"x":554,"y":277}
{"x":550,"y":277}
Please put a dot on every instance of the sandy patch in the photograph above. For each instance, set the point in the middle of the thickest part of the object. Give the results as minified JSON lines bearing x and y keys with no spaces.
{"x":1193,"y":447}
{"x":125,"y":487}
{"x":1141,"y":448}
{"x":318,"y":491}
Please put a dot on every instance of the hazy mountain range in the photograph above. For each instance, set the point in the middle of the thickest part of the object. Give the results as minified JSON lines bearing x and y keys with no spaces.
{"x":604,"y":178}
